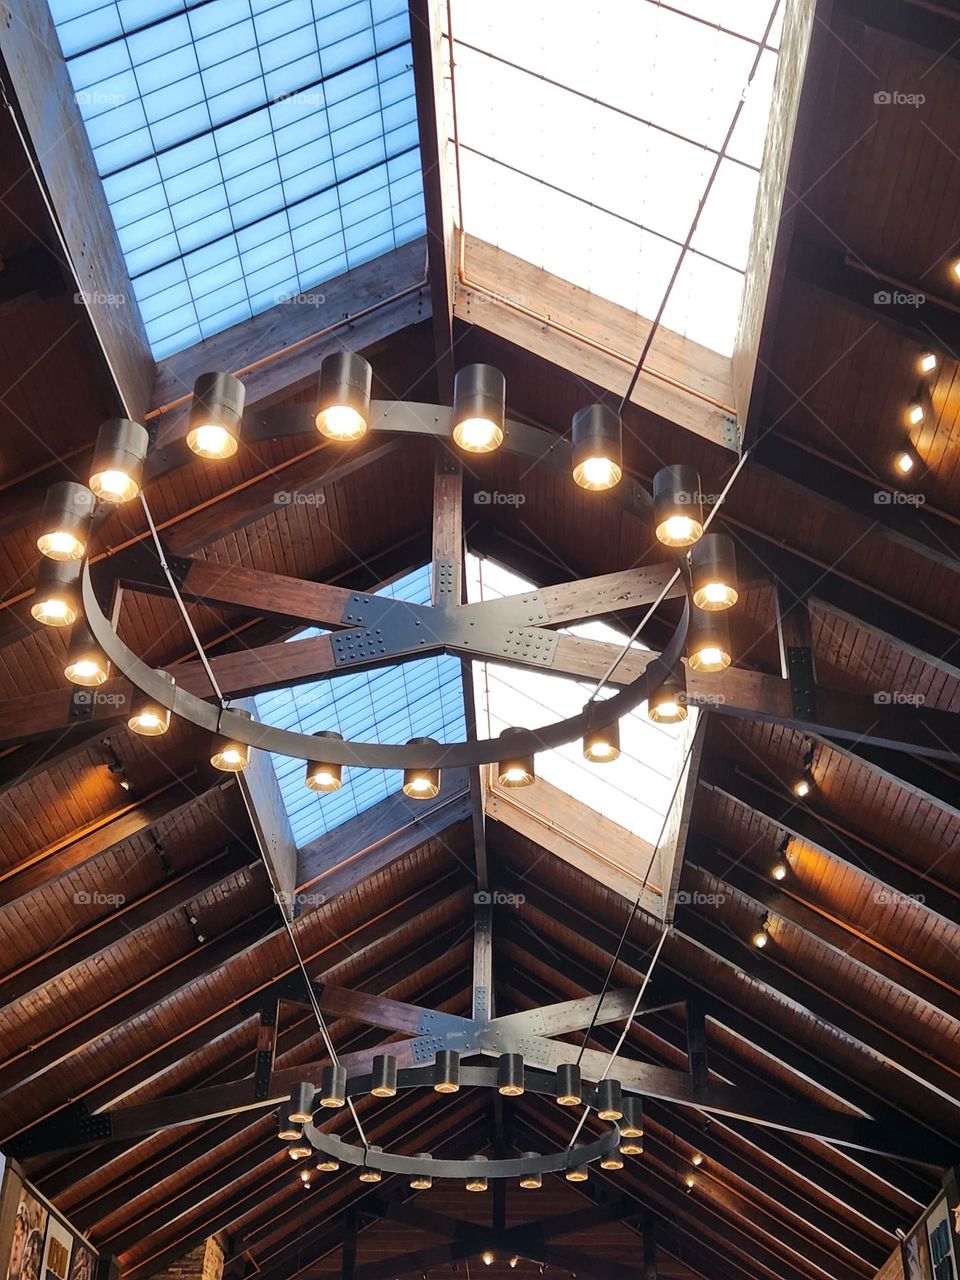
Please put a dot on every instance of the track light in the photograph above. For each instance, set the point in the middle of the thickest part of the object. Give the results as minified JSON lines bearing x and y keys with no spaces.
{"x":446,"y":1072}
{"x":117,"y":469}
{"x":713,"y":563}
{"x":928,"y":363}
{"x":479,"y":408}
{"x":328,"y":1164}
{"x":510,"y":1075}
{"x":804,"y":783}
{"x":384,"y":1076}
{"x":369,"y":1174}
{"x":300,"y":1109}
{"x":708,"y":641}
{"x":677,"y":509}
{"x":531,"y":1181}
{"x":513,"y":1261}
{"x":803,"y":786}
{"x":668,"y":705}
{"x":916,"y":410}
{"x":229,"y":756}
{"x":515,"y":769}
{"x":149,"y":718}
{"x":600,"y":746}
{"x":215,"y":416}
{"x":761,"y":937}
{"x":421,"y":783}
{"x":57,"y":602}
{"x":609,"y":1106}
{"x":67,"y":511}
{"x":86,"y":665}
{"x":906,"y":461}
{"x":343,"y":405}
{"x":597,"y":447}
{"x":477,"y":1181}
{"x":421,"y":1181}
{"x":322,"y":775}
{"x":569,"y":1091}
{"x":333,"y":1085}
{"x":287,"y":1131}
{"x":689,"y":1182}
{"x":305,"y":1177}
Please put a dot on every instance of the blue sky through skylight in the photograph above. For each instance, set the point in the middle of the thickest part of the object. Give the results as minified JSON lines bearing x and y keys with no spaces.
{"x":249,"y":149}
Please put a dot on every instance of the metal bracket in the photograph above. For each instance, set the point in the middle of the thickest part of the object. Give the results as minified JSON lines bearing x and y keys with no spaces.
{"x":179,"y":566}
{"x":531,"y":644}
{"x":445,"y":580}
{"x":802,"y":688}
{"x":262,"y":1070}
{"x":731,"y":431}
{"x":81,"y":705}
{"x":426,"y":1048}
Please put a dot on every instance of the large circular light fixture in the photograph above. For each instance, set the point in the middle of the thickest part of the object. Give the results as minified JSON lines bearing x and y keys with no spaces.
{"x":117,"y":469}
{"x":597,"y":447}
{"x":215,"y":416}
{"x":479,"y":408}
{"x":343,"y":405}
{"x":67,"y":512}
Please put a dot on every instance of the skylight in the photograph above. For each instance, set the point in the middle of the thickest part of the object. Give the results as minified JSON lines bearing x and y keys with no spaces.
{"x":249,"y":149}
{"x":586,"y":134}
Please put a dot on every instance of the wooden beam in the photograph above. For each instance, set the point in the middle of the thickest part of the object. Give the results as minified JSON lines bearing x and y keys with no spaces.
{"x":270,"y":824}
{"x":935,"y":29}
{"x":607,"y":593}
{"x":46,"y":104}
{"x":571,"y":1015}
{"x":447,"y":584}
{"x":483,"y":992}
{"x":596,"y":340}
{"x":929,"y":782}
{"x":673,"y":841}
{"x":378,"y":1011}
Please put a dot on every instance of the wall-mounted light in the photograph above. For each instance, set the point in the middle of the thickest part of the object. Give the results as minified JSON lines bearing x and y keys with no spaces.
{"x":479,"y":408}
{"x":343,"y":402}
{"x":215,"y":416}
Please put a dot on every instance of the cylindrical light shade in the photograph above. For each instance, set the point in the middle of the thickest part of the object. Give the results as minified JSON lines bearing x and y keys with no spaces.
{"x":602,"y":745}
{"x":343,"y":405}
{"x":333,"y":1085}
{"x":149,"y":718}
{"x":322,"y":775}
{"x":577,"y":1172}
{"x":287,"y":1131}
{"x":597,"y":447}
{"x":708,"y":641}
{"x":713,"y":562}
{"x":531,"y":1181}
{"x":300,"y":1107}
{"x":371,"y":1175}
{"x":510,"y":1075}
{"x":609,"y":1106}
{"x":612,"y":1160}
{"x":57,"y":602}
{"x":421,"y":784}
{"x":384,"y":1074}
{"x":215,"y":414}
{"x":668,"y":705}
{"x":515,"y":768}
{"x":86,"y":665}
{"x":67,"y":510}
{"x":477,"y":1181}
{"x":446,"y":1073}
{"x":229,"y":756}
{"x":117,"y":470}
{"x":328,"y":1164}
{"x":479,"y":408}
{"x":677,"y":510}
{"x":632,"y":1124}
{"x":568,"y":1084}
{"x":299,"y":1150}
{"x":421,"y":1181}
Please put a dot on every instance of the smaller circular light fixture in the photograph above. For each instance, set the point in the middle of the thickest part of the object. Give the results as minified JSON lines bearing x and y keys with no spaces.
{"x":117,"y":469}
{"x":708,"y":641}
{"x":299,"y":1149}
{"x":597,"y":447}
{"x":322,"y":775}
{"x":804,"y":784}
{"x":632,"y":1147}
{"x":333,"y":1085}
{"x":57,"y":602}
{"x":421,"y":1181}
{"x":479,"y":408}
{"x":689,"y":1182}
{"x":916,"y":410}
{"x":300,"y":1108}
{"x":477,"y":1181}
{"x":677,"y":506}
{"x":668,"y":705}
{"x":86,"y":665}
{"x":713,"y":562}
{"x":906,"y":461}
{"x":531,"y":1181}
{"x":446,"y":1072}
{"x":343,"y":406}
{"x":148,"y":718}
{"x":780,"y":869}
{"x":422,"y":783}
{"x":67,"y":511}
{"x":609,"y":1103}
{"x":696,"y":1159}
{"x":516,"y":769}
{"x":568,"y":1085}
{"x":230,"y":756}
{"x":761,"y":937}
{"x":384,"y":1074}
{"x":488,"y":1258}
{"x":927,"y":362}
{"x":287,"y":1131}
{"x":328,"y":1164}
{"x":612,"y":1160}
{"x":577,"y":1172}
{"x":510,"y":1075}
{"x":215,"y":415}
{"x":600,"y":746}
{"x":368,"y":1174}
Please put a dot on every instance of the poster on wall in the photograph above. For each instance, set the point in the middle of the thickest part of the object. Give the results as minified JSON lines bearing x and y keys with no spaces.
{"x":941,"y":1245}
{"x":56,"y":1251}
{"x":29,"y":1234}
{"x":83,"y":1262}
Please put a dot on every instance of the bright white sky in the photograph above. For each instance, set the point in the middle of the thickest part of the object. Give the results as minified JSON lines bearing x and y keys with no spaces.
{"x":587,"y":131}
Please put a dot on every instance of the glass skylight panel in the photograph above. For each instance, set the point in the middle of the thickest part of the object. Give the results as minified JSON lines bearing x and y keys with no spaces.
{"x":587,"y":132}
{"x":422,"y":698}
{"x":249,"y":149}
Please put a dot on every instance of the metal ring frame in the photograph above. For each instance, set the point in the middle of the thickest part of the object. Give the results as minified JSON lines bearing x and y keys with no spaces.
{"x":416,"y":419}
{"x":511,"y":1167}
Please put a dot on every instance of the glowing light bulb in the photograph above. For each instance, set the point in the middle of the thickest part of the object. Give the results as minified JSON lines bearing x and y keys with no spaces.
{"x":114,"y":486}
{"x":86,"y":671}
{"x":904,"y":463}
{"x":341,"y":422}
{"x":597,"y":473}
{"x":928,"y":362}
{"x":760,"y":939}
{"x":779,"y":871}
{"x":478,"y":435}
{"x":679,"y":531}
{"x":715,"y":595}
{"x":915,"y":413}
{"x":60,"y":545}
{"x":211,"y":440}
{"x":54,"y":611}
{"x":801,"y":788}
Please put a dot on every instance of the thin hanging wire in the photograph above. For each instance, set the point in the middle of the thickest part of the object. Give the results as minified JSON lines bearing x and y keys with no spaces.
{"x":274,"y":883}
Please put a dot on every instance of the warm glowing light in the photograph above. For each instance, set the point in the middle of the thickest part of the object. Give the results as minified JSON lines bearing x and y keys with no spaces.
{"x":324,"y":777}
{"x":114,"y":486}
{"x":54,"y":611}
{"x":760,"y":939}
{"x":87,"y":671}
{"x":477,"y":1184}
{"x":516,"y":777}
{"x":61,"y":545}
{"x":299,"y":1150}
{"x":420,"y":1182}
{"x":715,"y":595}
{"x":679,"y":531}
{"x":928,"y":362}
{"x":531,"y":1181}
{"x":478,"y":435}
{"x":955,"y":268}
{"x":327,"y":1164}
{"x":597,"y":473}
{"x":211,"y":440}
{"x":305,"y":1177}
{"x":370,"y":1175}
{"x":709,"y":657}
{"x":801,"y":788}
{"x":612,"y":1160}
{"x":696,"y":1158}
{"x":341,"y":422}
{"x":488,"y":1258}
{"x":915,"y":413}
{"x":904,"y":462}
{"x":779,"y":871}
{"x":232,"y":757}
{"x":689,"y":1182}
{"x":149,"y":723}
{"x":421,"y":786}
{"x":446,"y":1086}
{"x":577,"y":1174}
